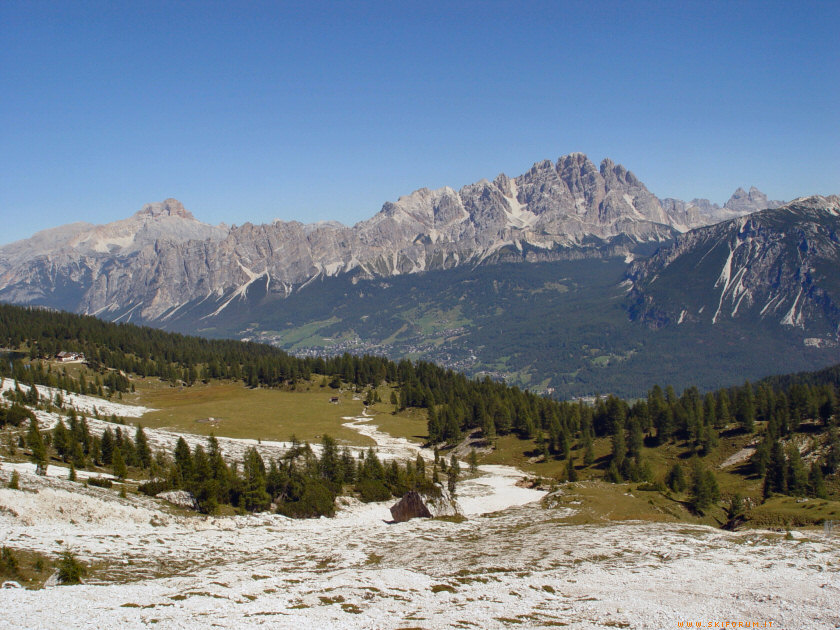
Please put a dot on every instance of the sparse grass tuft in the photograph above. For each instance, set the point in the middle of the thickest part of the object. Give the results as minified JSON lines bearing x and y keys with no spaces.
{"x":442,"y":588}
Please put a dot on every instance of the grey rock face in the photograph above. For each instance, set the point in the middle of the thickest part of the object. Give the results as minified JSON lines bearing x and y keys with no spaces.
{"x":147,"y":267}
{"x":752,"y":201}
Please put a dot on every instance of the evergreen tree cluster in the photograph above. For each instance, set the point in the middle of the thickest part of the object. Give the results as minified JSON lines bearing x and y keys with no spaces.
{"x":299,"y":484}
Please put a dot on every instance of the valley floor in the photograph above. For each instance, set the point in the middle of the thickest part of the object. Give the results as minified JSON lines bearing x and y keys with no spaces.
{"x":522,"y":564}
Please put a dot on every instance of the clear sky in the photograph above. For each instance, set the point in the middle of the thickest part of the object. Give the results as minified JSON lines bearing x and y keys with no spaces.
{"x":247,"y":111}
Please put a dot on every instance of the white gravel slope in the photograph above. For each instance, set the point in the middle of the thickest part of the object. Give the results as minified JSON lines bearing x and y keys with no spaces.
{"x":522,"y":566}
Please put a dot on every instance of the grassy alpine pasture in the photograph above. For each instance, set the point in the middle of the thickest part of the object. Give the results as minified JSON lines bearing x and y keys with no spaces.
{"x":242,"y":412}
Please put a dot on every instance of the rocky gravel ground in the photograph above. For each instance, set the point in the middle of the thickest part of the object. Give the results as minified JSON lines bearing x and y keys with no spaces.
{"x":513,"y":562}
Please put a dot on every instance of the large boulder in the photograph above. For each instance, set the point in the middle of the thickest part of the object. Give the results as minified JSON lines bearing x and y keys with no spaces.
{"x":410,"y":506}
{"x":416,"y":505}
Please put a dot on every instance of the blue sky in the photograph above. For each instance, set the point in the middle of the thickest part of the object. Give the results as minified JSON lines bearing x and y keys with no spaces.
{"x":313,"y":111}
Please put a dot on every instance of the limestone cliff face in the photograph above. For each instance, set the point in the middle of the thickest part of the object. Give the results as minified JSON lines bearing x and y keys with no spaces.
{"x":147,"y":267}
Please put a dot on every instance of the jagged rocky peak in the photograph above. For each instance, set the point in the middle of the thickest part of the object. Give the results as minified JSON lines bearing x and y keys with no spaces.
{"x":617,"y":175}
{"x":744,"y":201}
{"x":166,"y":208}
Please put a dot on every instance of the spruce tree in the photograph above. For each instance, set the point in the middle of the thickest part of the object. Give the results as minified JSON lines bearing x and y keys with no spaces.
{"x":141,"y":448}
{"x":254,"y":495}
{"x":119,"y":467}
{"x":571,"y":473}
{"x":36,"y":443}
{"x":816,"y":483}
{"x":797,"y":476}
{"x":473,"y":460}
{"x":453,"y":474}
{"x":676,"y":478}
{"x":704,"y":487}
{"x":775,"y":479}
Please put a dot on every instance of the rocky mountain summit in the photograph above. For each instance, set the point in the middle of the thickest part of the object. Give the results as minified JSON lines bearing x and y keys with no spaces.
{"x":701,"y":212}
{"x":776,"y":265}
{"x":162,"y":262}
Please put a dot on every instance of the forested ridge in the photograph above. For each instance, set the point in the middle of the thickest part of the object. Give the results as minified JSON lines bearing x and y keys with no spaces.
{"x":790,"y":422}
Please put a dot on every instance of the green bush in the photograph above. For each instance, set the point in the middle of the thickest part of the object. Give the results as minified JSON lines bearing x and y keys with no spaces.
{"x":9,"y":562}
{"x":372,"y":490}
{"x":316,"y":500}
{"x":70,"y":570}
{"x":100,"y":482}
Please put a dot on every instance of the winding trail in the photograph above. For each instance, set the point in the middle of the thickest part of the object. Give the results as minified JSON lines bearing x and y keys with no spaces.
{"x":493,"y":490}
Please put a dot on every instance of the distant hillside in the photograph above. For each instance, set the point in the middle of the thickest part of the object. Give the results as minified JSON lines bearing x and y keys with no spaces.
{"x":780,"y":266}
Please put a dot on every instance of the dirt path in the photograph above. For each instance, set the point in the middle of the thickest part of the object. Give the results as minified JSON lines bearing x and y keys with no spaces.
{"x":494,"y":489}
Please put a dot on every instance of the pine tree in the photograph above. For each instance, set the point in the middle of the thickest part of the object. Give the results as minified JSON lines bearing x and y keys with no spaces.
{"x":676,"y":478}
{"x":571,"y":473}
{"x":348,"y":466}
{"x":141,"y":448}
{"x":36,"y":443}
{"x":723,"y":413}
{"x":619,"y":450}
{"x":453,"y":474}
{"x":797,"y":476}
{"x":832,"y":456}
{"x":60,"y":440}
{"x":473,"y":460}
{"x":330,"y":463}
{"x":588,"y":450}
{"x":746,"y":408}
{"x":254,"y":494}
{"x":816,"y":483}
{"x":761,"y":456}
{"x":710,"y":411}
{"x":433,"y":424}
{"x":704,"y":487}
{"x":637,"y":440}
{"x":775,"y":479}
{"x":183,"y":464}
{"x":119,"y":467}
{"x":828,"y":405}
{"x":107,"y":446}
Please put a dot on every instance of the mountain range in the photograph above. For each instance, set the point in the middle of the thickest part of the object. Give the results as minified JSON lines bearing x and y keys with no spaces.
{"x":618,"y":286}
{"x":148,"y":267}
